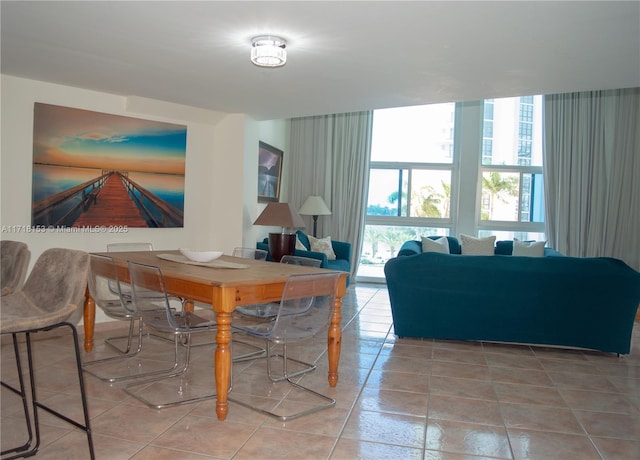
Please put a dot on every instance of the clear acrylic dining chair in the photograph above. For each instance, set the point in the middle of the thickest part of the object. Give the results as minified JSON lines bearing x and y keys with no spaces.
{"x":124,"y":290}
{"x":250,"y":253}
{"x":305,"y":309}
{"x":270,"y":310}
{"x":105,"y":289}
{"x":152,"y":302}
{"x":266,"y":310}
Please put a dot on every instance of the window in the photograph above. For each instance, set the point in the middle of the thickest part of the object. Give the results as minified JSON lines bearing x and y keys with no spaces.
{"x":433,"y":173}
{"x":410,"y":180}
{"x":511,"y":177}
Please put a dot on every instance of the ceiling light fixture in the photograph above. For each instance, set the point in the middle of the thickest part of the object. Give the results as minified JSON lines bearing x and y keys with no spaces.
{"x":268,"y":51}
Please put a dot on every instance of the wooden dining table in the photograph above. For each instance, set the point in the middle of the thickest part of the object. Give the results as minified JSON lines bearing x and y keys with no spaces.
{"x":225,"y":283}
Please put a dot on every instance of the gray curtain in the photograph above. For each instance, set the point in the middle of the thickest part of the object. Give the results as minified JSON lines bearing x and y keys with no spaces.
{"x":330,"y":157}
{"x":592,"y":173}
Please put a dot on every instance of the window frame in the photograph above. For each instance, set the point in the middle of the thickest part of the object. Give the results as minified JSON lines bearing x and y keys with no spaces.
{"x":408,"y":221}
{"x":467,"y":169}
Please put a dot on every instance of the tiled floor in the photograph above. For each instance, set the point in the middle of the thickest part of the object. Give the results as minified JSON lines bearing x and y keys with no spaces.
{"x":396,"y":398}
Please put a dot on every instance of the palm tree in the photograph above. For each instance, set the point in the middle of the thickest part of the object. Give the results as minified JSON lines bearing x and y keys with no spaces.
{"x":427,"y":200}
{"x":497,"y":184}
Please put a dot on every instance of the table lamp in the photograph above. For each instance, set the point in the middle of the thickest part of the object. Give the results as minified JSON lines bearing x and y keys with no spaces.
{"x":281,"y":215}
{"x":315,"y":206}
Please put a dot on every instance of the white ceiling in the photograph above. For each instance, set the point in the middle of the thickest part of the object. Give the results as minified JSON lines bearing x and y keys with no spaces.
{"x":343,"y":56}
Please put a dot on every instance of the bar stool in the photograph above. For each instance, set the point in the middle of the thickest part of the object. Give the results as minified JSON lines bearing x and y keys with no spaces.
{"x":52,"y":298}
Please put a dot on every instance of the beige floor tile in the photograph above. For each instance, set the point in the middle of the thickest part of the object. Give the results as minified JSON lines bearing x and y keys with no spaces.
{"x":402,"y":364}
{"x":466,"y":410}
{"x":463,"y":388}
{"x":408,"y":348}
{"x":510,"y":349}
{"x":512,"y":361}
{"x":462,"y":345}
{"x":401,"y":381}
{"x":617,"y":449}
{"x":620,"y":426}
{"x":572,"y":366}
{"x":544,"y":418}
{"x":136,"y":423}
{"x":397,"y":429}
{"x":467,"y":438}
{"x":454,"y":355}
{"x":352,"y":449}
{"x":542,"y":445}
{"x":161,"y":453}
{"x":599,"y":401}
{"x":529,"y":394}
{"x":397,"y":402}
{"x":327,"y":422}
{"x":520,"y":376}
{"x":73,"y":445}
{"x":460,"y":370}
{"x":629,"y":386}
{"x":268,"y":443}
{"x":582,"y":382}
{"x":205,"y":435}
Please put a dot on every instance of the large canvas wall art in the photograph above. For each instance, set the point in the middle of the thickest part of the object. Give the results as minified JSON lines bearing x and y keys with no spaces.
{"x":97,"y":170}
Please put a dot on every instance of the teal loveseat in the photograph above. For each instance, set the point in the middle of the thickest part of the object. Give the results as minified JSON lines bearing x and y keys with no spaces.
{"x":552,"y":300}
{"x":342,"y":250}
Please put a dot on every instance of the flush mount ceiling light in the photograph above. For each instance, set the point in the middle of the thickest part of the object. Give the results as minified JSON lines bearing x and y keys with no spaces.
{"x":268,"y":51}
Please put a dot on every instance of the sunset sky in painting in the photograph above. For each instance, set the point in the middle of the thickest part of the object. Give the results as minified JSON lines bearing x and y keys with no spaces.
{"x":72,"y":137}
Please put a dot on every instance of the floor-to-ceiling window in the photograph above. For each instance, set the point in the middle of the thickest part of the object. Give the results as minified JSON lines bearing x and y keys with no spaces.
{"x":446,"y":169}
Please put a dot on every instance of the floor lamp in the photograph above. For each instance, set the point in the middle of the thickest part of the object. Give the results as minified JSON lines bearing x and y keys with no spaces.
{"x":285,"y":216}
{"x":315,"y":206}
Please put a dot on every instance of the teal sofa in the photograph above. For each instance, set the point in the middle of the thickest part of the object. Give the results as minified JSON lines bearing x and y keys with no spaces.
{"x":552,"y":300}
{"x":342,"y":249}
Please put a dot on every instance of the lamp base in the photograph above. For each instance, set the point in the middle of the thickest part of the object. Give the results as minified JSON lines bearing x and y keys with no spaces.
{"x":281,"y":244}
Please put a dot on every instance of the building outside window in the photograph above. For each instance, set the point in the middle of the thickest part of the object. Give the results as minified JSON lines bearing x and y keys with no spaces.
{"x":433,"y":172}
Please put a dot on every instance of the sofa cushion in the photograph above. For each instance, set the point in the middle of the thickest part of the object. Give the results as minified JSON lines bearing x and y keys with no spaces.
{"x":504,"y":247}
{"x":322,"y":245}
{"x":435,"y":244}
{"x":339,"y":264}
{"x":478,"y":246}
{"x":528,"y":248}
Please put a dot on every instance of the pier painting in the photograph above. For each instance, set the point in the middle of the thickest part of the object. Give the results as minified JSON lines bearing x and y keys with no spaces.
{"x":96,"y":169}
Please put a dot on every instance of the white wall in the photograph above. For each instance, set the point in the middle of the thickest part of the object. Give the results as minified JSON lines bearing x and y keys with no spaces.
{"x":220,"y":178}
{"x":275,"y":133}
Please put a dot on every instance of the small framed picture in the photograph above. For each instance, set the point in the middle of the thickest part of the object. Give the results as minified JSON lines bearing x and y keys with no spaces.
{"x":269,"y":173}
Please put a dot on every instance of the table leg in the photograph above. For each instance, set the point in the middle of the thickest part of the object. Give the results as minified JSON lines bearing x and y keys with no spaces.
{"x":89,"y":321}
{"x":223,"y":363}
{"x":334,"y":342}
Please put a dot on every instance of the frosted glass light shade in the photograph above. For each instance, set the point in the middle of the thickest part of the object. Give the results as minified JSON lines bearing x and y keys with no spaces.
{"x":268,"y":51}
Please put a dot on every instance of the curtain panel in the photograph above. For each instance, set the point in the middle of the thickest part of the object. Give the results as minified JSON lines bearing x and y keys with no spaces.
{"x":592,"y":173}
{"x":331,"y":155}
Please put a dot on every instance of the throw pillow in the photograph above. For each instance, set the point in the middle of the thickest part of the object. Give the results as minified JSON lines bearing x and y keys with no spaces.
{"x":478,"y":246}
{"x":322,"y":245}
{"x":304,"y":239}
{"x":299,"y":245}
{"x":528,"y":248}
{"x":435,"y":245}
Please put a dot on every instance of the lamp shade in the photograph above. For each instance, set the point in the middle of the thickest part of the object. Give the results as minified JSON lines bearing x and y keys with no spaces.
{"x":280,"y":215}
{"x":315,"y":206}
